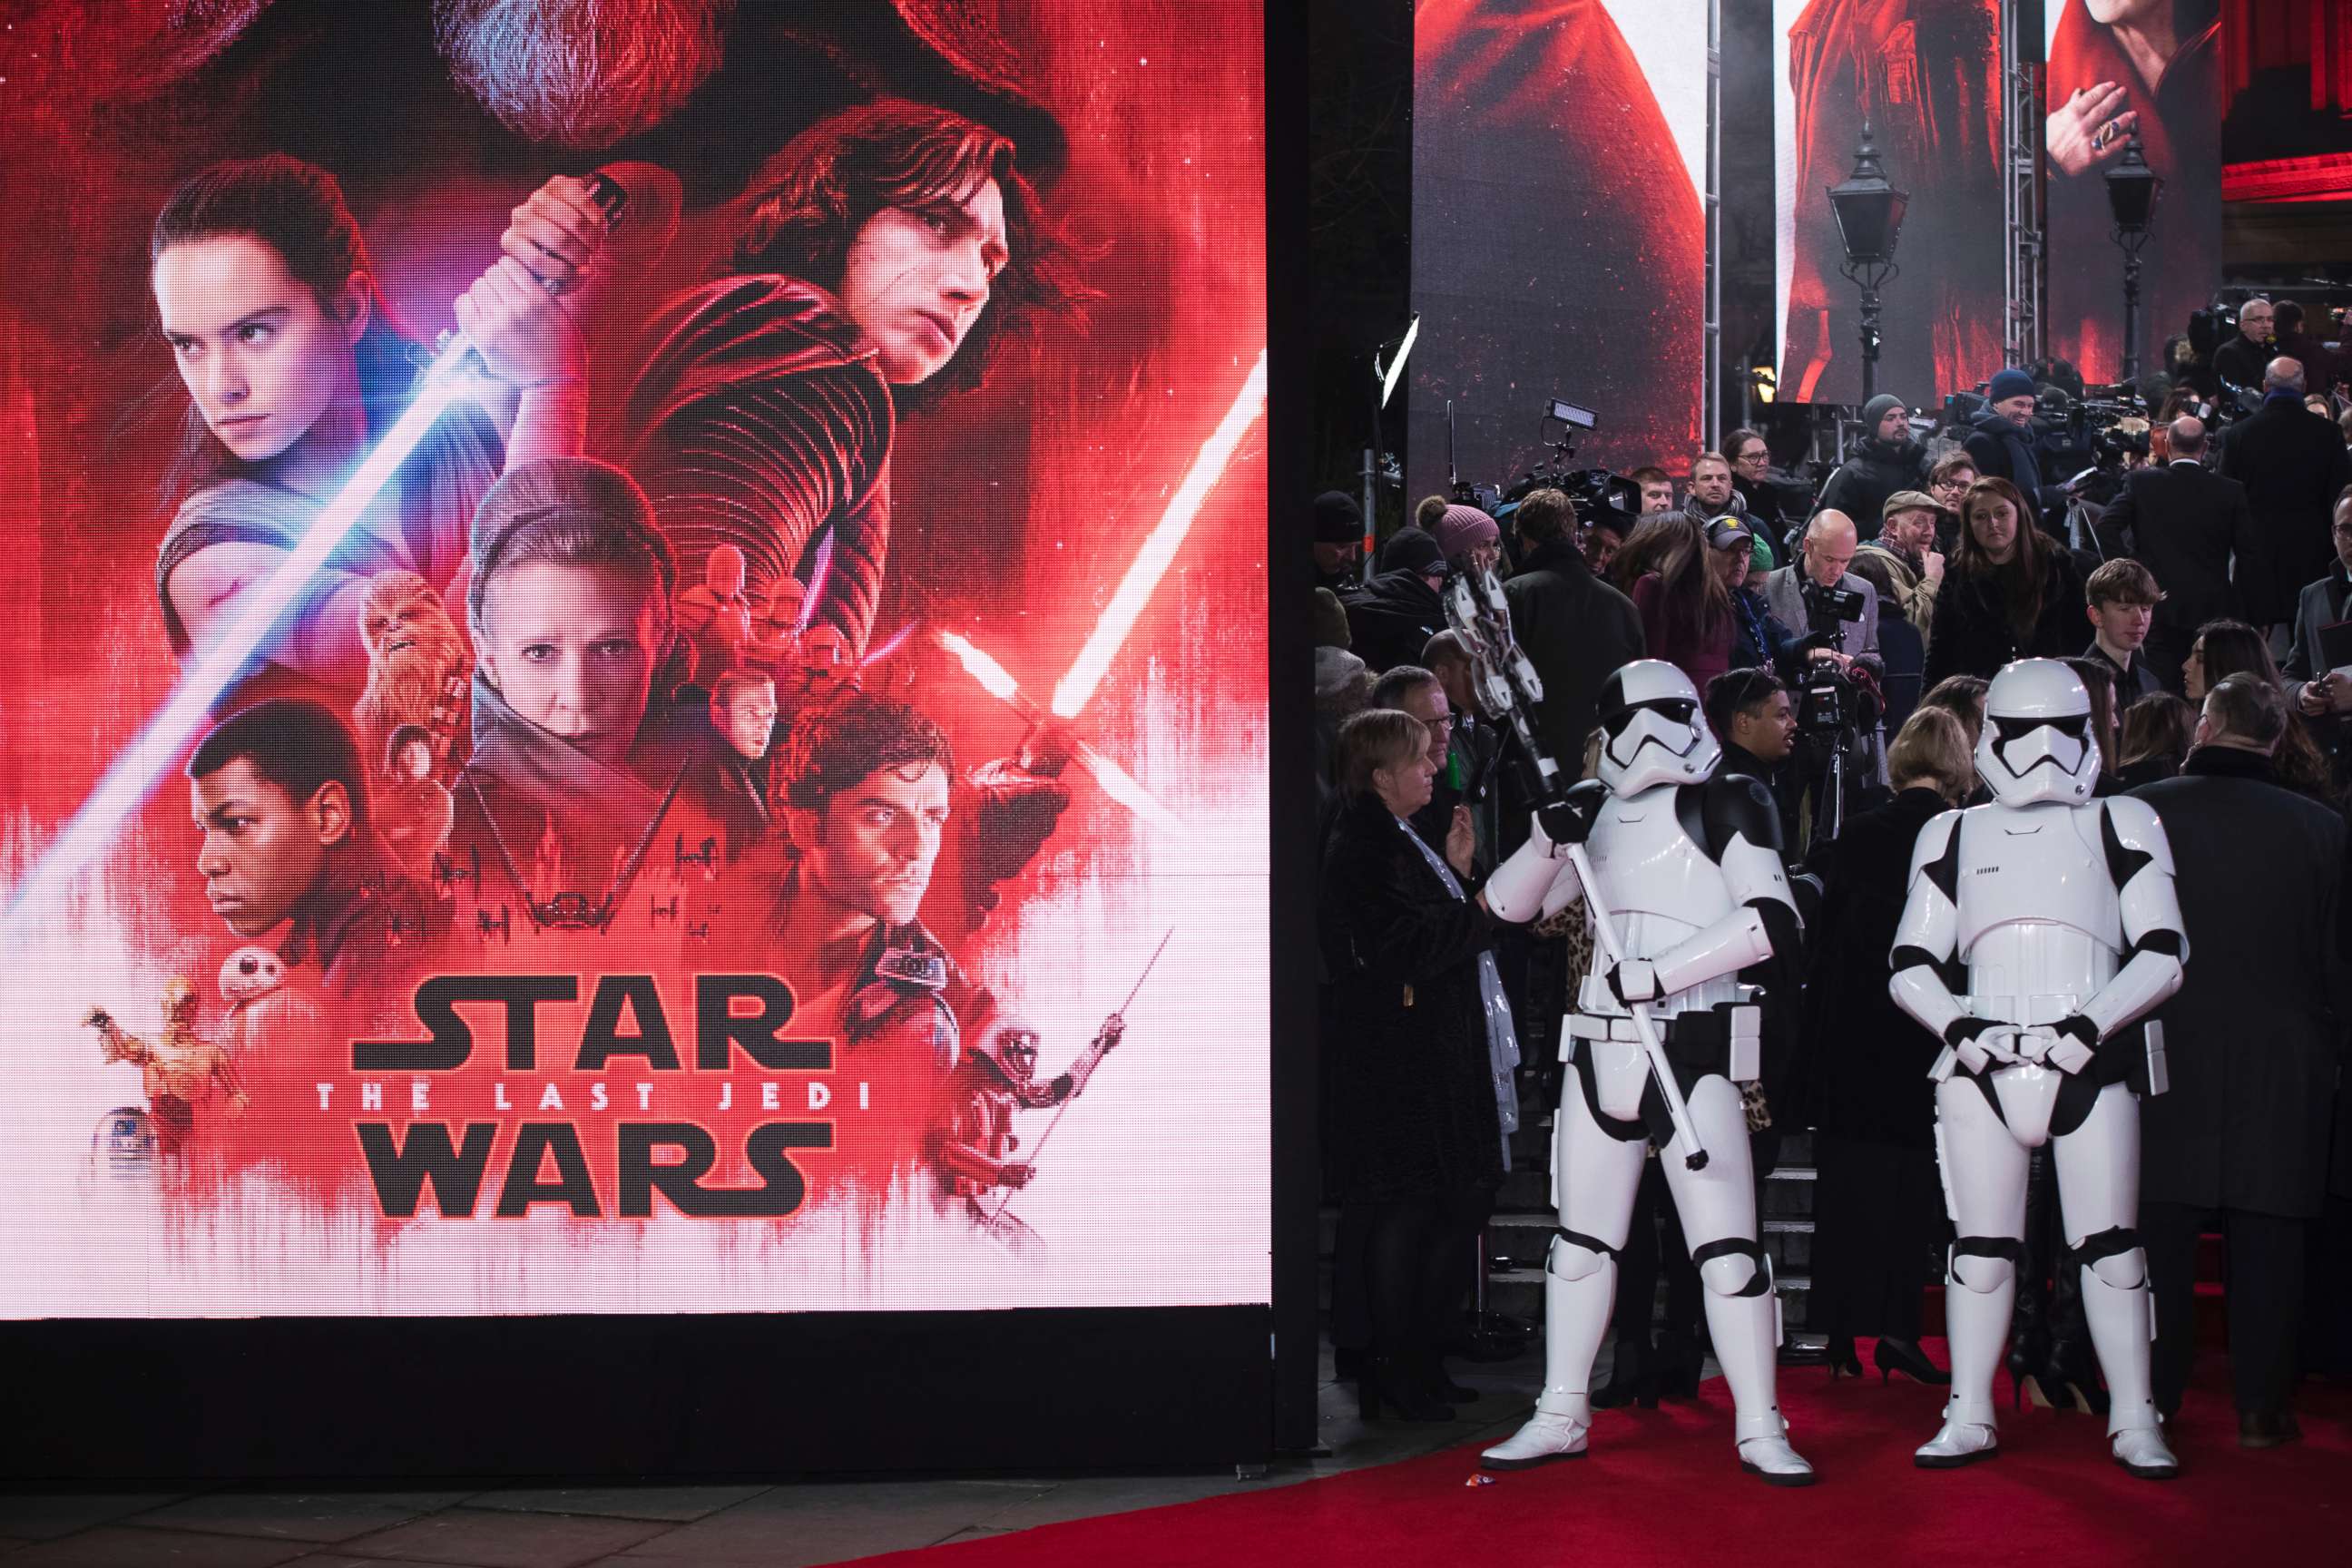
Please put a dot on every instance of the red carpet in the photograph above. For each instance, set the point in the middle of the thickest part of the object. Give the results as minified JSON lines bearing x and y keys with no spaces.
{"x":1664,"y":1487}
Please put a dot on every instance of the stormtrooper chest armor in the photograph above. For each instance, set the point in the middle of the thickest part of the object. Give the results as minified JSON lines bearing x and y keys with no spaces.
{"x":2041,"y":927}
{"x":1662,"y":887}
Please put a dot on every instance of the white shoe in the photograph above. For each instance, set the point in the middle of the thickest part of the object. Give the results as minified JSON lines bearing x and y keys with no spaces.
{"x":1958,"y":1443}
{"x":1544,"y":1438}
{"x":2141,"y":1450}
{"x":1776,"y":1463}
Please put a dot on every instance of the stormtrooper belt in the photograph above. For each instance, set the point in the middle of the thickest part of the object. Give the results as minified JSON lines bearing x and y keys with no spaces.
{"x":2025,"y":1012}
{"x":1707,"y":1040}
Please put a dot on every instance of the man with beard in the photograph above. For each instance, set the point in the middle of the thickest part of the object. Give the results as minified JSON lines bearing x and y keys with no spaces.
{"x":893,"y":246}
{"x":1885,"y":462}
{"x":864,"y":787}
{"x":1338,"y":539}
{"x":417,"y":669}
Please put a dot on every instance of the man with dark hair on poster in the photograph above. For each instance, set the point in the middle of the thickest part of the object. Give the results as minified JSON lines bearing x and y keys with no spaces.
{"x":892,"y":245}
{"x":730,"y":775}
{"x":863,"y":786}
{"x":280,"y":795}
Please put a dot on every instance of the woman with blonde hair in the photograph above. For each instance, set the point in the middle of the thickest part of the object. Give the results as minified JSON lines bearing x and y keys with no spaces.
{"x":1876,"y":1201}
{"x":1414,"y":1133}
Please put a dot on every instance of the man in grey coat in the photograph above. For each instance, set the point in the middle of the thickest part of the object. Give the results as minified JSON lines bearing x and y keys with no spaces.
{"x":2252,"y":1038}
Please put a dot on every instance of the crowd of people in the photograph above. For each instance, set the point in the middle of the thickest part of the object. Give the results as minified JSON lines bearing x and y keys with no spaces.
{"x":1841,"y":651}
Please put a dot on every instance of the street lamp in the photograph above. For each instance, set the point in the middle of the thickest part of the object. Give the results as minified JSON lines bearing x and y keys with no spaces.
{"x":2132,"y":188}
{"x":1869,"y":218}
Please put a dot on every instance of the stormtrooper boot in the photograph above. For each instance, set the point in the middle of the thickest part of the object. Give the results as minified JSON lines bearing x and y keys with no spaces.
{"x":2118,"y":1316}
{"x":1576,"y":1314}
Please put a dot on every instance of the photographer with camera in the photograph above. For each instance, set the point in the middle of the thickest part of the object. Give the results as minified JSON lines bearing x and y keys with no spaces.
{"x":1838,"y":667}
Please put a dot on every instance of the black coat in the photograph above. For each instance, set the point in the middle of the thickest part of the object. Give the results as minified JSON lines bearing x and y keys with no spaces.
{"x":2254,"y":1036}
{"x":2002,"y":451}
{"x":2181,"y":522}
{"x":2321,"y":603}
{"x":1391,"y":618}
{"x":1411,"y":1095}
{"x":1869,"y":1058}
{"x":2240,"y":362}
{"x":1876,"y":470}
{"x":2293,"y":465}
{"x":1971,"y":633}
{"x":1577,"y":631}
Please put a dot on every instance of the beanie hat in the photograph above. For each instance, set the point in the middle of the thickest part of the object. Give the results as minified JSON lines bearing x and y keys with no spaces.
{"x":2010,"y":383}
{"x":1878,"y":408}
{"x":1409,"y":549}
{"x":1337,"y":519}
{"x":1463,"y":529}
{"x":1330,"y":620}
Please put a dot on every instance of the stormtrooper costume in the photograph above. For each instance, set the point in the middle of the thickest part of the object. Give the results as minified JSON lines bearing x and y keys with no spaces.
{"x":1689,"y":870}
{"x":2038,"y":928}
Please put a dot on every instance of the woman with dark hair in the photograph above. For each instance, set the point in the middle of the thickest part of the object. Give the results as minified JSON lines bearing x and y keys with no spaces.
{"x":1414,"y":1132}
{"x":2013,"y":593}
{"x":578,"y":759}
{"x":890,"y":247}
{"x":1876,"y":1199}
{"x":2157,"y":732}
{"x":1684,"y":597}
{"x":265,"y":291}
{"x":2224,"y":649}
{"x":1751,"y":475}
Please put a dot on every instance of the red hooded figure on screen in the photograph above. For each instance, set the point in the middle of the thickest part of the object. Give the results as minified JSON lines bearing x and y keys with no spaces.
{"x":2118,"y":66}
{"x":1926,"y":76}
{"x":893,"y":246}
{"x":1548,"y":192}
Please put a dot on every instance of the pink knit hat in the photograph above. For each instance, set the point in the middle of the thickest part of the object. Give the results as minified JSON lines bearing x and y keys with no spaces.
{"x":1463,"y":529}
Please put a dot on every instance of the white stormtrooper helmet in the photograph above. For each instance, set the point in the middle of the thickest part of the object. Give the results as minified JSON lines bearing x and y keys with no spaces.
{"x":251,"y":972}
{"x":1656,"y":730}
{"x":2038,"y":743}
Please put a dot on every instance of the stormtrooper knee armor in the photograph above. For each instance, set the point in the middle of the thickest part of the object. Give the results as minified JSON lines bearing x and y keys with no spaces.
{"x":2037,"y":928}
{"x":1686,"y":868}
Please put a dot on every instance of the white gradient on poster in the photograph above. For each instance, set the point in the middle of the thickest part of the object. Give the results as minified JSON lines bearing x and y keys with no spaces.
{"x":1668,"y":38}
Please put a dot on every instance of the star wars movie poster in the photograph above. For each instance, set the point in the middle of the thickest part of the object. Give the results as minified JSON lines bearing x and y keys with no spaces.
{"x":1925,"y":75}
{"x":1559,"y":244}
{"x":736,"y":781}
{"x":2120,"y":67}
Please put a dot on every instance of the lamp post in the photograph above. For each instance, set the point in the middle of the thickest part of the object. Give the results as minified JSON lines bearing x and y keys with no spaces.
{"x":1869,"y":217}
{"x":2132,"y":188}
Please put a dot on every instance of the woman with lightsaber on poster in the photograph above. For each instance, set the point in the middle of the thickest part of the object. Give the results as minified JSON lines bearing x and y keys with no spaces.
{"x":266,"y":295}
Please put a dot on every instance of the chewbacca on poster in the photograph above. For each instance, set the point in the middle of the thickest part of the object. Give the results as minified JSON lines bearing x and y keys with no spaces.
{"x":418,"y":666}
